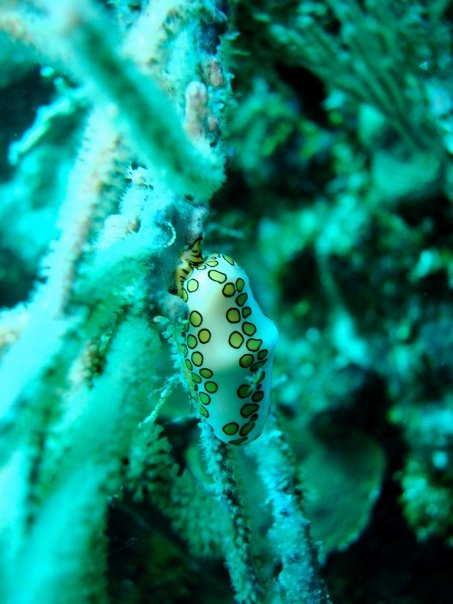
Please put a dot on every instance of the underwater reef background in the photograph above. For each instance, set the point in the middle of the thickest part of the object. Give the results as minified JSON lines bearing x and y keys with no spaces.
{"x":312,"y":142}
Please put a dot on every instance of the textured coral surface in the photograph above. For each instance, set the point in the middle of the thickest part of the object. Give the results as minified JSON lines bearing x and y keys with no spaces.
{"x":311,"y":141}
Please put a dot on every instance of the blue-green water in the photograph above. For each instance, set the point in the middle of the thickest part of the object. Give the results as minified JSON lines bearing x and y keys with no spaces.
{"x":308,"y":143}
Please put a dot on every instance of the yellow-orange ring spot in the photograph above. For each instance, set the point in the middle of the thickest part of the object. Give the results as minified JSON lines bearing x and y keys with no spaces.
{"x":205,"y":398}
{"x":245,"y":430}
{"x":195,"y":377}
{"x":191,"y":341}
{"x":244,"y":391}
{"x":241,"y":299}
{"x":228,"y":259}
{"x":230,"y":428}
{"x":206,"y":373}
{"x":246,"y":311}
{"x":184,"y":295}
{"x":248,"y":328}
{"x":203,"y":411}
{"x":253,"y":344}
{"x":236,"y":339}
{"x":240,"y":284}
{"x":262,"y":354}
{"x":257,"y":365}
{"x":249,"y":409}
{"x":217,"y":276}
{"x":228,"y":290}
{"x":232,"y":315}
{"x":211,"y":387}
{"x":246,"y":360}
{"x":197,"y":358}
{"x":258,"y":396}
{"x":192,"y":285}
{"x":195,"y":318}
{"x":204,"y":335}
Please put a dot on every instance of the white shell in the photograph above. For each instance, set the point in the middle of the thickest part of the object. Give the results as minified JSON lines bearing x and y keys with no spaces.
{"x":229,"y":349}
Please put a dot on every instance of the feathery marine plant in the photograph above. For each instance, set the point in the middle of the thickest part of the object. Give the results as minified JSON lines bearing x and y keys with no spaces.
{"x":391,"y":55}
{"x":83,"y":361}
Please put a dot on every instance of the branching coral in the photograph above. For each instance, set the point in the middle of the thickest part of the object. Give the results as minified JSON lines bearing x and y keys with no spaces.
{"x":311,"y":142}
{"x":84,"y":357}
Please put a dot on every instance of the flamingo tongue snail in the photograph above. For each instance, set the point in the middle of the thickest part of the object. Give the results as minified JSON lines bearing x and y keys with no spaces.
{"x":228,"y":345}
